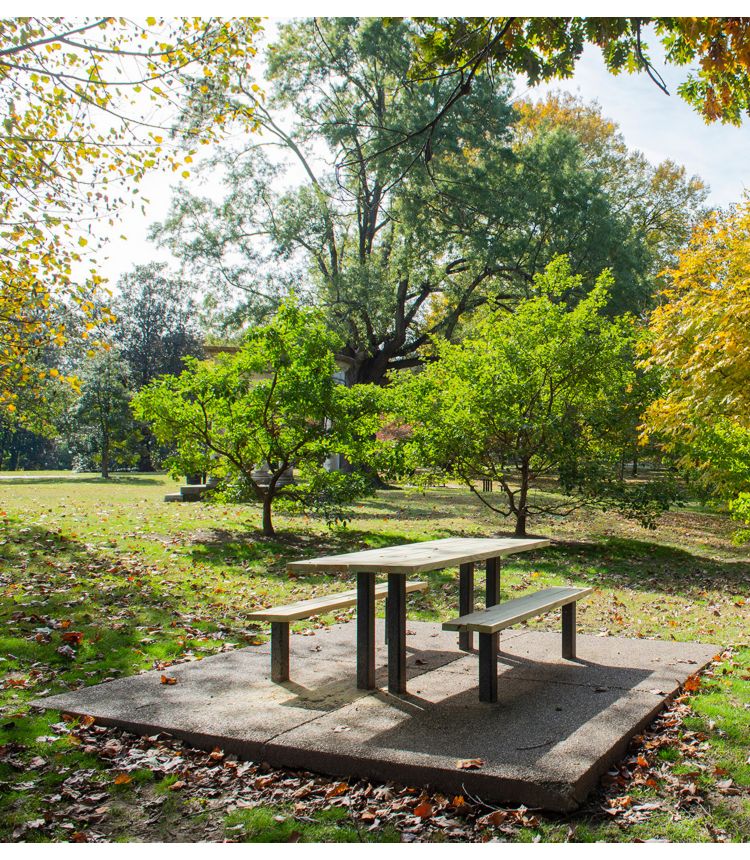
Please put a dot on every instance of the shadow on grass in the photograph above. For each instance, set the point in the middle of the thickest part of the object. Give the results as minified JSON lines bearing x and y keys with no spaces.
{"x":643,"y":565}
{"x":76,"y":615}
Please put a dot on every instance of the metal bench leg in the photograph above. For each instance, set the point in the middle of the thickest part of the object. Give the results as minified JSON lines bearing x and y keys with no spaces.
{"x":466,"y":602}
{"x":365,"y":631}
{"x":395,"y":623}
{"x":279,"y":651}
{"x":569,"y":631}
{"x":488,"y":667}
{"x":385,"y":626}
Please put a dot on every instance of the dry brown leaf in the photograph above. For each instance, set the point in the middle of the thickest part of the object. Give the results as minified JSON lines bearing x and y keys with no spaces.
{"x":123,"y":779}
{"x":336,"y":790}
{"x":165,"y":679}
{"x":494,"y":819}
{"x":469,"y":763}
{"x":424,"y":810}
{"x":692,"y":683}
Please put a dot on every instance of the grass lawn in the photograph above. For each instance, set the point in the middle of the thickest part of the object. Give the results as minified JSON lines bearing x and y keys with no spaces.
{"x":101,"y":579}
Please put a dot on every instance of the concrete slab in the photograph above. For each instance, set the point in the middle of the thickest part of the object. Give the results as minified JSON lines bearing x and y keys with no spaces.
{"x":557,"y":726}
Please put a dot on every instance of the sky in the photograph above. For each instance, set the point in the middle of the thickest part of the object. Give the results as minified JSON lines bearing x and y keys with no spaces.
{"x":660,"y":126}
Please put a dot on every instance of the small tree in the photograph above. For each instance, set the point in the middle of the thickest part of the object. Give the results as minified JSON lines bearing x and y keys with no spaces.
{"x":526,"y":395}
{"x":274,"y":404}
{"x":155,"y":329}
{"x":101,"y":425}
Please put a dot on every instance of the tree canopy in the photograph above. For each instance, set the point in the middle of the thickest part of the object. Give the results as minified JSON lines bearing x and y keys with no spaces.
{"x":274,"y":406}
{"x":716,"y":50}
{"x":700,"y":340}
{"x":399,"y":248}
{"x":525,"y":395}
{"x":90,"y":105}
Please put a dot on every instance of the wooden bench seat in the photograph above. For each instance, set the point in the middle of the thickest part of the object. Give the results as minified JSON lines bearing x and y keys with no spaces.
{"x":282,"y":616}
{"x":489,"y":622}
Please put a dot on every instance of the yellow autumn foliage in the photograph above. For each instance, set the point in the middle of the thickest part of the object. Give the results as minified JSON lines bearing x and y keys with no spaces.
{"x":700,"y":333}
{"x":83,"y":101}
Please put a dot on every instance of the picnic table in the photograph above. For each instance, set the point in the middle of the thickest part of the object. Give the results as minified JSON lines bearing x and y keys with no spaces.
{"x":398,"y":562}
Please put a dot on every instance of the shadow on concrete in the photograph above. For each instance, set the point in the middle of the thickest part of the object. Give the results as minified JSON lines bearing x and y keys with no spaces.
{"x":539,"y":705}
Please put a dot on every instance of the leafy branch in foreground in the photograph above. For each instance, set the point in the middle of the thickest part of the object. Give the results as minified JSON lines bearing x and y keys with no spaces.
{"x":88,"y":105}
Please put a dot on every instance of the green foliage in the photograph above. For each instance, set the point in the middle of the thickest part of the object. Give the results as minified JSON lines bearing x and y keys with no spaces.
{"x":101,"y":425}
{"x":274,"y":404}
{"x":400,"y":241}
{"x":544,"y":48}
{"x":530,"y":394}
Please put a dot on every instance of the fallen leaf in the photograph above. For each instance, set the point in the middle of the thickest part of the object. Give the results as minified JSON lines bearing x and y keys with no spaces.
{"x":165,"y":679}
{"x":692,"y":683}
{"x":469,"y":763}
{"x":336,"y":790}
{"x":123,"y":779}
{"x":423,"y":810}
{"x":494,"y":819}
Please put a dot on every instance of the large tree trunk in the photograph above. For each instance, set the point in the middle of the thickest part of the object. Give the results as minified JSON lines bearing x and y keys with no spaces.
{"x":105,"y":458}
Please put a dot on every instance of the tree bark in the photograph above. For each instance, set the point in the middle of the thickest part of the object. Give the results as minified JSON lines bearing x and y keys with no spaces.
{"x":268,"y":529}
{"x":522,"y":511}
{"x":105,"y":459}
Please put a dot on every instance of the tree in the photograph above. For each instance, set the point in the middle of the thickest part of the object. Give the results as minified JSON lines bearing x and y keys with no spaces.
{"x":156,"y":329}
{"x":272,"y":407}
{"x":547,"y":48}
{"x":399,"y":249}
{"x":526,"y":396}
{"x":101,"y":424}
{"x":699,"y":338}
{"x":88,"y":104}
{"x":661,"y":203}
{"x":156,"y":322}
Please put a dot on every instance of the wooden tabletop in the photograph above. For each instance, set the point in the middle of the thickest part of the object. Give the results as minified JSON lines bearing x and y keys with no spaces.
{"x":416,"y":557}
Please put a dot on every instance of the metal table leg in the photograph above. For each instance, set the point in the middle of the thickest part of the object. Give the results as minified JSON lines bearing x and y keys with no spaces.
{"x":395,"y":623}
{"x":366,"y":631}
{"x":466,"y":602}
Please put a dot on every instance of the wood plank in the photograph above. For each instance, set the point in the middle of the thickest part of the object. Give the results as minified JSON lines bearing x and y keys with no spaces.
{"x":325,"y":603}
{"x":511,"y":612}
{"x":419,"y":557}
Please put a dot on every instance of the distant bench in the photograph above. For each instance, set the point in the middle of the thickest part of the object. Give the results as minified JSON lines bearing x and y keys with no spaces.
{"x":489,"y":622}
{"x":282,"y":616}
